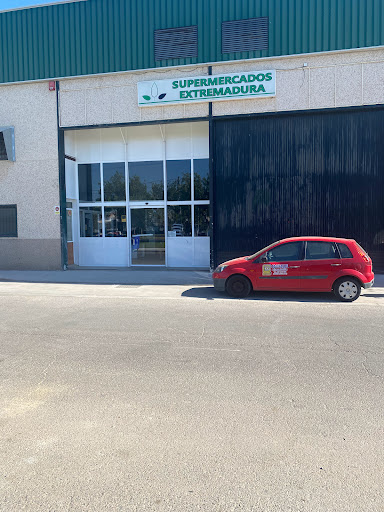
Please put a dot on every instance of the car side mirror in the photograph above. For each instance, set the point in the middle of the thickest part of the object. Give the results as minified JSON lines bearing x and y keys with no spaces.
{"x":263,"y":259}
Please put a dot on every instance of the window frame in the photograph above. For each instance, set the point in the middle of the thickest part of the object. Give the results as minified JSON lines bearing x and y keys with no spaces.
{"x":337,"y":252}
{"x":15,"y":233}
{"x":92,"y":207}
{"x":129,"y":165}
{"x":190,"y":206}
{"x":100,"y":167}
{"x":191,"y":180}
{"x":270,"y":248}
{"x":130,"y":203}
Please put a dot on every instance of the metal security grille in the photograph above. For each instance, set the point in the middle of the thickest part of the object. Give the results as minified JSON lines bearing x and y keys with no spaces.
{"x":244,"y":35}
{"x":176,"y":43}
{"x":8,"y":220}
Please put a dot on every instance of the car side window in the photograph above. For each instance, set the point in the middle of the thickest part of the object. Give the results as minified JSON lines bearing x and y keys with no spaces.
{"x":321,"y":251}
{"x":291,"y":251}
{"x":345,"y":251}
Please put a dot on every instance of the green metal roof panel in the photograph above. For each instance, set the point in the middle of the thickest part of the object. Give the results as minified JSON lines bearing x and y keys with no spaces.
{"x":101,"y":36}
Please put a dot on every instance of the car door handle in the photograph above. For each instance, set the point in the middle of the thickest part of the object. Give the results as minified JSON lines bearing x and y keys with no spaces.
{"x":335,"y":264}
{"x":295,"y":266}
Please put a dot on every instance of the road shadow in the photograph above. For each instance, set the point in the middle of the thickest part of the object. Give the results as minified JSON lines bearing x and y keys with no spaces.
{"x":209,"y":293}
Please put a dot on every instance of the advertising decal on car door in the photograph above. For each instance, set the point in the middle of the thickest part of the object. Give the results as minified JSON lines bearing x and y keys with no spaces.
{"x":267,"y":270}
{"x":275,"y":269}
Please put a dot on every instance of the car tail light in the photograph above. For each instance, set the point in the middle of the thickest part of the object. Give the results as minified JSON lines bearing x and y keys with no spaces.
{"x":363,"y":254}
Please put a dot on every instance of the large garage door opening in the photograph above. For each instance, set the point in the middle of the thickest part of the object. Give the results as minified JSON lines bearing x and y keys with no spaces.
{"x":299,"y":174}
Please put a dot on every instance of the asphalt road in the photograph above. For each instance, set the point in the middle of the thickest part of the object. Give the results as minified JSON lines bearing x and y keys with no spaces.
{"x":174,"y":398}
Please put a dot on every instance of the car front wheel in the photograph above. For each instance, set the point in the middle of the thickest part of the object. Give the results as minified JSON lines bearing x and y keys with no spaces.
{"x":347,"y":289}
{"x":238,"y":286}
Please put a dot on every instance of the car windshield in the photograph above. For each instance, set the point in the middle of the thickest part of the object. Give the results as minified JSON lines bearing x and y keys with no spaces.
{"x":257,"y":254}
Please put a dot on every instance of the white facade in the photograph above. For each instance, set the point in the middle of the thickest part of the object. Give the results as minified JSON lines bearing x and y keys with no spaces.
{"x":303,"y":82}
{"x":316,"y":81}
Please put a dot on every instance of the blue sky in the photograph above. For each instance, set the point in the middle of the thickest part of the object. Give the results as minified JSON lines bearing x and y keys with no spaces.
{"x":15,"y":4}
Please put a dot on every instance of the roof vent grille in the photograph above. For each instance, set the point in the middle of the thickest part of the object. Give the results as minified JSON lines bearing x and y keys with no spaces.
{"x":244,"y":35}
{"x":176,"y":43}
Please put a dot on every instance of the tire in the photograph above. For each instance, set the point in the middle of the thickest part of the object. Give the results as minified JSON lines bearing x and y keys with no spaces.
{"x":238,"y":286}
{"x":347,"y":289}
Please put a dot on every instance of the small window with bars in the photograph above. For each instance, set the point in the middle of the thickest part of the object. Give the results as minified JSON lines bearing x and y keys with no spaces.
{"x":8,"y":220}
{"x":244,"y":35}
{"x":176,"y":43}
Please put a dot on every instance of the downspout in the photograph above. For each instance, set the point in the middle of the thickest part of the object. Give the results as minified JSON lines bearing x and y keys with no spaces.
{"x":211,"y":184}
{"x":62,"y":186}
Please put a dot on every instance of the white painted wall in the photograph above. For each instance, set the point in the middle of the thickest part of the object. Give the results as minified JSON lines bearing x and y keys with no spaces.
{"x":319,"y":80}
{"x":32,"y":181}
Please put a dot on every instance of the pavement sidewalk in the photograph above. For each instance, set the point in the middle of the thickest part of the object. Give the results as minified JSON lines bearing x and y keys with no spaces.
{"x":120,"y":276}
{"x":109,"y":276}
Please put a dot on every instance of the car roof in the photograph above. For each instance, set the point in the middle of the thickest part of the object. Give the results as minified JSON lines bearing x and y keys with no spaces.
{"x":316,"y":239}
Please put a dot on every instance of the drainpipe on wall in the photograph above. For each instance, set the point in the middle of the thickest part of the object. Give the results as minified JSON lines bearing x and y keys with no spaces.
{"x":62,"y":187}
{"x":211,"y":182}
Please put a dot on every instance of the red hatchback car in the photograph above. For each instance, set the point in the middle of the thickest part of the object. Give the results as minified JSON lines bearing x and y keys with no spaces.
{"x":311,"y":264}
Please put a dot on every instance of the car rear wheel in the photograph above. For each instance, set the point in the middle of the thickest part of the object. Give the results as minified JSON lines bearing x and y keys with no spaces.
{"x":238,"y":286}
{"x":347,"y":289}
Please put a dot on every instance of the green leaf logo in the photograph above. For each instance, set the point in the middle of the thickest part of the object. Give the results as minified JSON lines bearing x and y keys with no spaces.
{"x":147,"y":98}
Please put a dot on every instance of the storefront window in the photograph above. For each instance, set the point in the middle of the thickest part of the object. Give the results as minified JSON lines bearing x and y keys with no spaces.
{"x":179,"y":221}
{"x":114,"y":182}
{"x":202,"y":220}
{"x":146,"y":181}
{"x":91,"y":221}
{"x":201,"y":179}
{"x":115,"y":221}
{"x":89,"y":183}
{"x":179,"y":180}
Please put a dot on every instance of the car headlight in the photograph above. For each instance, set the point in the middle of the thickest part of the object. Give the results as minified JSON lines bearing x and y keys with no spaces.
{"x":220,"y":268}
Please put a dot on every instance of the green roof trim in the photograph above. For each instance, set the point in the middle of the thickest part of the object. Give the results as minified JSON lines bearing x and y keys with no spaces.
{"x":103,"y":36}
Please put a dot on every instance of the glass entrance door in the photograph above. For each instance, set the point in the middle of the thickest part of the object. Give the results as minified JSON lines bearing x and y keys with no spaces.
{"x":147,"y":236}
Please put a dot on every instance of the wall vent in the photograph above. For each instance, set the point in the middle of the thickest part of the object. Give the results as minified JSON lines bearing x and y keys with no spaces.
{"x":176,"y":43}
{"x":244,"y":35}
{"x":7,"y":143}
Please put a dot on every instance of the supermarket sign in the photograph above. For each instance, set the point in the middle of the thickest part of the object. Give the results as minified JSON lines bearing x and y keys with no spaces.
{"x":252,"y":84}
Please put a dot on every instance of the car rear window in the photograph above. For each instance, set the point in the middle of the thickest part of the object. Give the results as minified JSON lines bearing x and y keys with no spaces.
{"x":345,"y":251}
{"x":321,"y":251}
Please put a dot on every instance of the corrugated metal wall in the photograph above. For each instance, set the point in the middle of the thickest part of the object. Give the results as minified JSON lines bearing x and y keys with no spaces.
{"x":295,"y":175}
{"x":99,"y":36}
